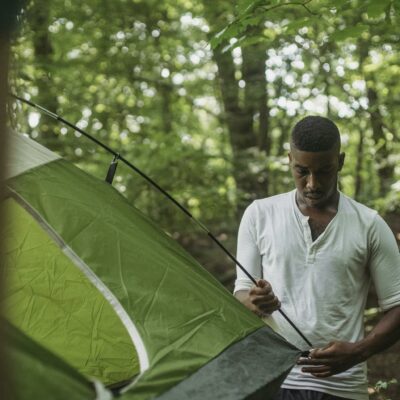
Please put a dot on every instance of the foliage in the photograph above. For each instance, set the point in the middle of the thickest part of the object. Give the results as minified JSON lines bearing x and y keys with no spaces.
{"x":383,"y":385}
{"x":150,"y":102}
{"x":291,"y":16}
{"x":142,"y":77}
{"x":380,"y":388}
{"x":337,"y":59}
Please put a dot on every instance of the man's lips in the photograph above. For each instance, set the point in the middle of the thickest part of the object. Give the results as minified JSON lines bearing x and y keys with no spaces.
{"x":313,"y":196}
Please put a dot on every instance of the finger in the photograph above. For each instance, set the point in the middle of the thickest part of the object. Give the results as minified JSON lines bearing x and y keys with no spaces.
{"x":260,"y":313}
{"x":261,"y":299}
{"x":262,"y":283}
{"x":274,"y":304}
{"x":322,"y":374}
{"x":261,"y":291}
{"x":263,"y":312}
{"x":314,"y":361}
{"x":317,"y":370}
{"x":269,"y":310}
{"x":265,"y":309}
{"x":322,"y":352}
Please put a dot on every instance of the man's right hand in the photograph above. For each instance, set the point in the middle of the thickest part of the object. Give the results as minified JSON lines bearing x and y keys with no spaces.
{"x":260,"y":299}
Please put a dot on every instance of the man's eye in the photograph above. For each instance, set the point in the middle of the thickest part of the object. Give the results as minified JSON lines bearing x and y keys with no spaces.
{"x":301,"y":171}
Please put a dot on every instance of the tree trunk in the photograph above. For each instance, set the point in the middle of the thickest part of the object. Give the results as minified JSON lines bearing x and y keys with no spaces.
{"x":256,"y":99}
{"x":247,"y":137}
{"x":40,"y":21}
{"x":247,"y":116}
{"x":363,"y":50}
{"x":385,"y":169}
{"x":359,"y":165}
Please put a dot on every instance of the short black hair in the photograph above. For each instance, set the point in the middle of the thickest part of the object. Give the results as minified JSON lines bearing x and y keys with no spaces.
{"x":314,"y":133}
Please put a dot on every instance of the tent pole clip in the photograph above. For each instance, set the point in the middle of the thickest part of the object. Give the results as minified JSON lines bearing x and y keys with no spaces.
{"x":112,"y":169}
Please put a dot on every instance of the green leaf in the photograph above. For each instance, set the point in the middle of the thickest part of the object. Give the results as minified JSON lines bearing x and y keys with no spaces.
{"x":353,"y":32}
{"x":228,"y":32}
{"x":234,"y":29}
{"x":377,"y":8}
{"x":218,"y":38}
{"x":396,"y":6}
{"x":294,"y":26}
{"x":245,"y":6}
{"x":254,"y":20}
{"x":340,"y":3}
{"x":248,"y":41}
{"x":244,"y":41}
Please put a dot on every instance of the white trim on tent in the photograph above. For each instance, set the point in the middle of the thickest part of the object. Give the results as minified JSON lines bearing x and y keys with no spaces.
{"x":95,"y":280}
{"x":101,"y":392}
{"x":25,"y":154}
{"x":115,"y":304}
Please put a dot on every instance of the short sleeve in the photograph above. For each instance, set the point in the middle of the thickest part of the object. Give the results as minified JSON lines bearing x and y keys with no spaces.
{"x":248,"y":253}
{"x":384,"y":264}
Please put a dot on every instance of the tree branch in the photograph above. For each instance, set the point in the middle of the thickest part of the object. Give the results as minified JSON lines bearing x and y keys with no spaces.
{"x":294,"y":3}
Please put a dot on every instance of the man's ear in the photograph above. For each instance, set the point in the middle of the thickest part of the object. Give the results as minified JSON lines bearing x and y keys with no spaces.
{"x":290,"y":157}
{"x":342,"y":156}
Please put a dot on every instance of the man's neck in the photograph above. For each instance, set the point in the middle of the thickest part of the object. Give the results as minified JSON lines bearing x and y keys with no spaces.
{"x":319,"y":217}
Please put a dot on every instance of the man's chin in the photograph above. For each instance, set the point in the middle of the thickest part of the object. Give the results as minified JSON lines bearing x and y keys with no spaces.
{"x":314,"y":201}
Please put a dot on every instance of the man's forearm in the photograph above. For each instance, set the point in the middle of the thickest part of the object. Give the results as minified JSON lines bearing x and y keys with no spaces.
{"x":384,"y":334}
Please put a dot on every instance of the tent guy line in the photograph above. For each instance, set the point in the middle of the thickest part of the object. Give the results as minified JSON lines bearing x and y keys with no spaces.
{"x":112,"y":169}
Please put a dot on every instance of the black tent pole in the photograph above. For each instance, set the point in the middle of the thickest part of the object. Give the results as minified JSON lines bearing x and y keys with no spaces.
{"x":117,"y":156}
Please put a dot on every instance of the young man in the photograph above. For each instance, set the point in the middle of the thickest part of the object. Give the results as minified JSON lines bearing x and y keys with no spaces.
{"x":314,"y":252}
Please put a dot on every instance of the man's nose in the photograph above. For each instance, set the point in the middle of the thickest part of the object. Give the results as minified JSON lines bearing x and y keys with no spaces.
{"x":312,"y":183}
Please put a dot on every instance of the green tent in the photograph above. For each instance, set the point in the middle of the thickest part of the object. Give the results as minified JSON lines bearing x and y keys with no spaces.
{"x":48,"y":376}
{"x":95,"y":282}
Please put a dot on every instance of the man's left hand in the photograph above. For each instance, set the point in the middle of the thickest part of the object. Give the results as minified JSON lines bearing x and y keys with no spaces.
{"x":332,"y":359}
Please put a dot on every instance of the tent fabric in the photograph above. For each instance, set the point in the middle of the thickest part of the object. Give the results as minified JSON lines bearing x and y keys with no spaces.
{"x":184,"y":318}
{"x":144,"y":268}
{"x":36,"y":373}
{"x":241,"y":371}
{"x":44,"y":298}
{"x":25,"y":154}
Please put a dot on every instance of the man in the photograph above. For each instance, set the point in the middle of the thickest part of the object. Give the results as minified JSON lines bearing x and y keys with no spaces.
{"x":314,"y":251}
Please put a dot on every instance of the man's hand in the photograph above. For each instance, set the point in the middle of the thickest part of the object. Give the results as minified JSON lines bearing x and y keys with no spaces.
{"x":332,"y":359}
{"x":260,"y":299}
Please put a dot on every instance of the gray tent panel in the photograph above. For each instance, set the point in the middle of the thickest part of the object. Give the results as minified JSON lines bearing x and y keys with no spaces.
{"x":253,"y":368}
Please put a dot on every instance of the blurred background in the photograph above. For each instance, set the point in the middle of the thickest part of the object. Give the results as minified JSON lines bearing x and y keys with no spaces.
{"x":201,"y":95}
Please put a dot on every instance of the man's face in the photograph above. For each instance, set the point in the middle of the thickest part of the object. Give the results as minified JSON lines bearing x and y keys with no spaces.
{"x":315,"y":175}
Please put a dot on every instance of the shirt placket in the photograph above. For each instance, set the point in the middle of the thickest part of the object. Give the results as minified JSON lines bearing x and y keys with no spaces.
{"x":311,"y":246}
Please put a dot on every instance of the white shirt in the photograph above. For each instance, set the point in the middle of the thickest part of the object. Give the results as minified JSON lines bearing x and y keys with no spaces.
{"x":322,"y":285}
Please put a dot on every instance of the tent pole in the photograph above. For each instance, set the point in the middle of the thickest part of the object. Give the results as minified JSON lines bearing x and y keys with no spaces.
{"x":110,"y":176}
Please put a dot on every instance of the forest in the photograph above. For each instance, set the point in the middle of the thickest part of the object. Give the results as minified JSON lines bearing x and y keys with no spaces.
{"x":202,"y":96}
